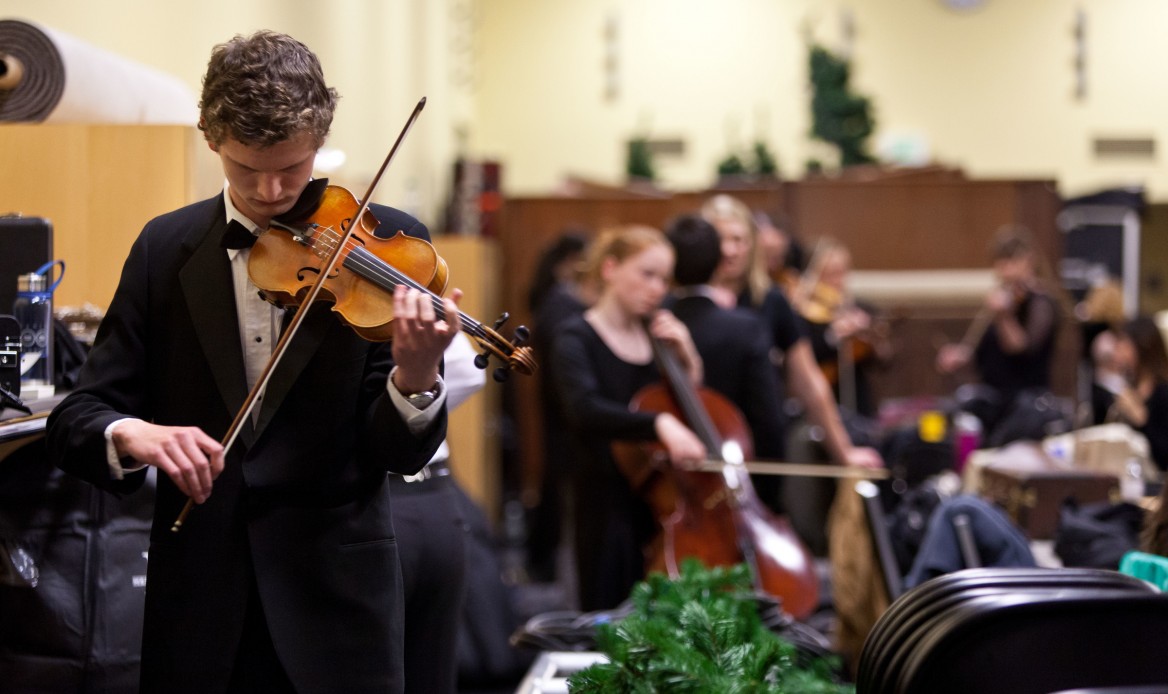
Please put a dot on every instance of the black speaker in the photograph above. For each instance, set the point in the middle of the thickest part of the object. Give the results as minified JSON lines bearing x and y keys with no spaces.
{"x":1101,"y":240}
{"x":26,"y":243}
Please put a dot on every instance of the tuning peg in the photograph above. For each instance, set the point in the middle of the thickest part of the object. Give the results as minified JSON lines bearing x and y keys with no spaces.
{"x":522,"y":334}
{"x":482,"y":360}
{"x":501,"y":320}
{"x":500,"y":374}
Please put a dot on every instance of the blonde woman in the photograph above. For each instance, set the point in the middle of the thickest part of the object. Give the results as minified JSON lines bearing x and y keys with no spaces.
{"x":742,"y":280}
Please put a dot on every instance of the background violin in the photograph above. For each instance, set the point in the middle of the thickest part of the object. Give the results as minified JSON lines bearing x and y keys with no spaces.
{"x":828,"y":307}
{"x":845,"y":336}
{"x":714,"y":516}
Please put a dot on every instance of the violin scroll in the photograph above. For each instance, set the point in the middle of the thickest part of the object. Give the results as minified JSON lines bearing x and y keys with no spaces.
{"x":513,"y":353}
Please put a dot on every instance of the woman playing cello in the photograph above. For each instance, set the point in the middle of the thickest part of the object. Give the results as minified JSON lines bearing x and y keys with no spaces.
{"x":599,"y":361}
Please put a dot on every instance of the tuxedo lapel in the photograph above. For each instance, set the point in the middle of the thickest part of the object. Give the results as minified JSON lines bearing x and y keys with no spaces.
{"x":210,"y":296}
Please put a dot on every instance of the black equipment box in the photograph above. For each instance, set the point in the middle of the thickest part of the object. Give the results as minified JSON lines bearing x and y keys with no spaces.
{"x":26,"y":243}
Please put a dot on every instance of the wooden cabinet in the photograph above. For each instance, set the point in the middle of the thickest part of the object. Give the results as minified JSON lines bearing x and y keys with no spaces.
{"x":98,"y":185}
{"x":473,"y":430}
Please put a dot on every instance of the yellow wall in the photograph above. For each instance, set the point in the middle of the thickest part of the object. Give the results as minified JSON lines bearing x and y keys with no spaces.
{"x":991,"y":90}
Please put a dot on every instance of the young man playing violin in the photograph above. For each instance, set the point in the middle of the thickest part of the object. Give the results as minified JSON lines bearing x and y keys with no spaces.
{"x":285,"y":576}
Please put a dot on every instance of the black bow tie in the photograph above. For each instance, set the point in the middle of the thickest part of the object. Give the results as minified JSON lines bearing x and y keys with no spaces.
{"x":237,"y":236}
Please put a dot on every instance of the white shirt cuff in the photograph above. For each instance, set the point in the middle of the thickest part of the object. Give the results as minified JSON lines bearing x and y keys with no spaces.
{"x":117,"y":470}
{"x":416,"y":420}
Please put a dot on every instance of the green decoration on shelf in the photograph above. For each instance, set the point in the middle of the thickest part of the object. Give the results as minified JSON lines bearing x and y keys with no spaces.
{"x":839,"y":116}
{"x":640,"y":160}
{"x":731,"y":166}
{"x":758,"y":165}
{"x":700,"y":633}
{"x":765,"y":163}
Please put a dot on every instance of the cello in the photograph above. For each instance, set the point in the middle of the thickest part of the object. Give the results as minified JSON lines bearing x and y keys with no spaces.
{"x":714,"y":516}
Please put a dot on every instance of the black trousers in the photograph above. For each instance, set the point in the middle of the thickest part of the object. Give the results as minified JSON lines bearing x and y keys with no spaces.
{"x":431,"y":538}
{"x":257,"y":668}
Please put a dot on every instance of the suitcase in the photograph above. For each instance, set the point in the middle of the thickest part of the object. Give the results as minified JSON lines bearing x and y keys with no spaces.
{"x":1032,"y":498}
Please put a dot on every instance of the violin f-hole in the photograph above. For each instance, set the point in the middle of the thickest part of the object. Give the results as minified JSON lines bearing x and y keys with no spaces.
{"x":308,"y":269}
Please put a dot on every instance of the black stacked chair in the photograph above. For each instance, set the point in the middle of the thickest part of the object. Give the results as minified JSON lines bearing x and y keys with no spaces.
{"x":1018,"y":631}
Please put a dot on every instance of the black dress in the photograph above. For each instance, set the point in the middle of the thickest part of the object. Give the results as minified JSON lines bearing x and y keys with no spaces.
{"x":612,"y":523}
{"x":785,"y":328}
{"x":827,"y":352}
{"x":1029,"y":369}
{"x":548,"y":517}
{"x":1155,"y":428}
{"x":1014,"y":385}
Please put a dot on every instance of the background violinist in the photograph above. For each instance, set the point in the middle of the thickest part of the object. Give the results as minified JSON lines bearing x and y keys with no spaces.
{"x":286,"y":576}
{"x":848,"y":337}
{"x":1012,"y":339}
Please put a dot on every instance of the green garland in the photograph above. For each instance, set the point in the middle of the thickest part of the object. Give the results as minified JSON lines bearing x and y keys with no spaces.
{"x":700,"y":633}
{"x":837,"y":115}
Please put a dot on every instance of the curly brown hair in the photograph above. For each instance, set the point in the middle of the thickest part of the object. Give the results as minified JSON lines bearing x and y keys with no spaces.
{"x":264,"y":89}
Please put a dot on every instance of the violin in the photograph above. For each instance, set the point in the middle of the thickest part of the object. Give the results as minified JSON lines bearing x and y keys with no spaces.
{"x":823,"y":305}
{"x":714,"y":516}
{"x":287,"y":259}
{"x":1004,"y":297}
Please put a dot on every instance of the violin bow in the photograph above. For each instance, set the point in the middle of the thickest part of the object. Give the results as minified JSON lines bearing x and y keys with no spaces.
{"x":297,"y":319}
{"x":759,"y":467}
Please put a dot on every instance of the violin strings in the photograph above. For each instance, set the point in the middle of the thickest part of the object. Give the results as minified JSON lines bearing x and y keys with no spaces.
{"x":377,"y":269}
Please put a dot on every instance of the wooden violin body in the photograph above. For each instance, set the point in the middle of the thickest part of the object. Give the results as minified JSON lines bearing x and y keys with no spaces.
{"x":821,"y":307}
{"x":284,"y":265}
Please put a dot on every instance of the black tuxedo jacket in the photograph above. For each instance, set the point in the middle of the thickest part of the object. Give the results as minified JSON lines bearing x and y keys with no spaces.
{"x":302,"y":507}
{"x":735,"y":350}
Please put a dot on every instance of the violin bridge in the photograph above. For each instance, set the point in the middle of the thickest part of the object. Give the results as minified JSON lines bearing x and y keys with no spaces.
{"x":303,"y":235}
